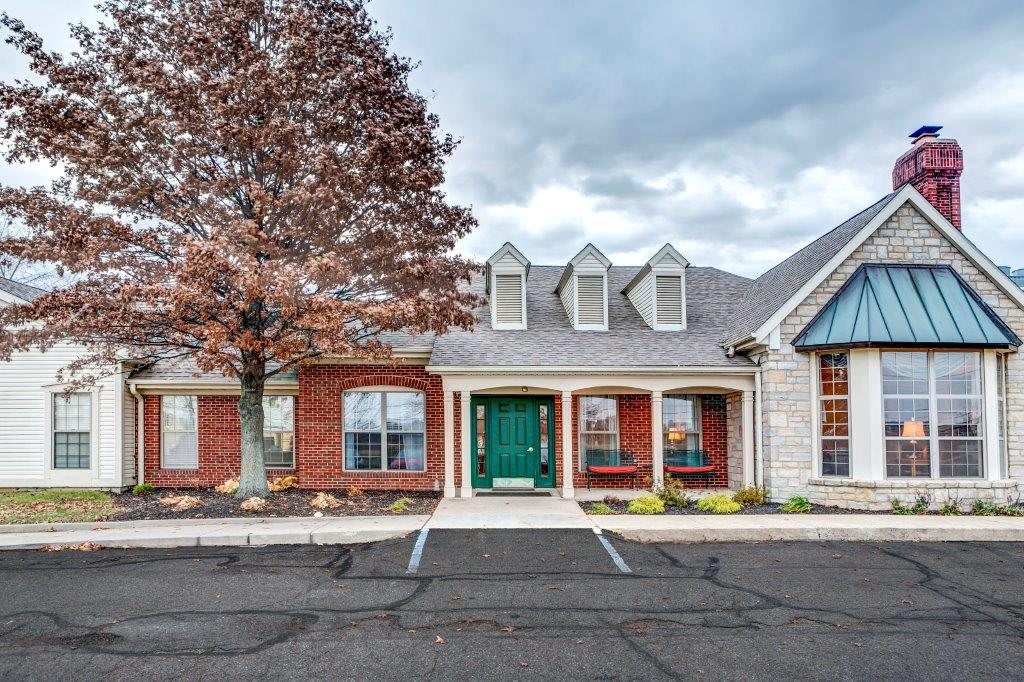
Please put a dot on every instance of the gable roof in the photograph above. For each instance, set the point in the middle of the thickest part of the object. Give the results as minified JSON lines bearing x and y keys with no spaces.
{"x":667,"y":256}
{"x":25,"y":292}
{"x":589,"y":258}
{"x":905,"y":305}
{"x":772,"y":289}
{"x":551,"y":341}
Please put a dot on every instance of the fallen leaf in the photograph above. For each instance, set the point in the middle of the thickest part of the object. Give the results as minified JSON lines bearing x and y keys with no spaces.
{"x":508,"y":628}
{"x":906,"y":601}
{"x":439,"y":640}
{"x":837,"y":556}
{"x":524,"y":664}
{"x":857,"y":644}
{"x":487,"y":556}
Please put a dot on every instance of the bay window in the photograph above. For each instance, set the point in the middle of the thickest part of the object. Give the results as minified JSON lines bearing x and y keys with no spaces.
{"x":681,"y":422}
{"x":599,"y":424}
{"x":384,"y":430}
{"x":932,"y":407}
{"x":834,"y":413}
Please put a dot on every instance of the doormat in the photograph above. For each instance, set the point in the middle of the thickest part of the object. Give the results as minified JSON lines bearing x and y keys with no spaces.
{"x":513,"y":493}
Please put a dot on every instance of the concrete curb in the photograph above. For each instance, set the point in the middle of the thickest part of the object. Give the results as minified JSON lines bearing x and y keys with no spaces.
{"x":216,"y":532}
{"x":839,"y":527}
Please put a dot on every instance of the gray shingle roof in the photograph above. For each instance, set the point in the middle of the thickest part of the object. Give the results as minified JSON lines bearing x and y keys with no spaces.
{"x":711,"y":298}
{"x":25,"y":292}
{"x":771,"y":290}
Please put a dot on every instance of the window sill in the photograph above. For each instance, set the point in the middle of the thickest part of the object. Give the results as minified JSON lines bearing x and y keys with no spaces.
{"x":904,"y":483}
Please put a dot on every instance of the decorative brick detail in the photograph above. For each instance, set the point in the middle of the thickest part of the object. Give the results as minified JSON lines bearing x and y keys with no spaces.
{"x":933,"y":166}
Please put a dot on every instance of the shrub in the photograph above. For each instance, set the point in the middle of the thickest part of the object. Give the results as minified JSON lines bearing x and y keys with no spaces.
{"x":718,"y":504}
{"x":600,"y":509}
{"x":324,"y":500}
{"x":648,"y":504}
{"x":950,"y":509}
{"x":228,"y":487}
{"x":798,"y":504}
{"x":143,"y":489}
{"x":181,"y":502}
{"x":612,"y":499}
{"x":983,"y":508}
{"x":400,"y":505}
{"x":919,"y":507}
{"x":1009,"y":510}
{"x":751,"y":495}
{"x":253,"y":505}
{"x":672,"y":494}
{"x":354,"y":491}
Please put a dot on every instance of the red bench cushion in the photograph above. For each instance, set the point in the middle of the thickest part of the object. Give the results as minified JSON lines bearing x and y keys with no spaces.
{"x":690,"y":470}
{"x":607,"y":469}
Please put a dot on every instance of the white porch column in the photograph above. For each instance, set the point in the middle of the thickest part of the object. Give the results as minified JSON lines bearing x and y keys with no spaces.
{"x":449,"y":443}
{"x":748,"y":438}
{"x":657,"y":446}
{"x":465,"y":437}
{"x":567,"y":467}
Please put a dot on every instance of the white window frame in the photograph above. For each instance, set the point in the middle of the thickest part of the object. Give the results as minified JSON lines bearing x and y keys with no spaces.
{"x":934,"y":468}
{"x":164,"y":431}
{"x":698,"y":406}
{"x":581,"y":453}
{"x":384,"y":390}
{"x":269,"y":433}
{"x":820,"y":398}
{"x":521,"y":272}
{"x":587,"y":272}
{"x":53,"y":474}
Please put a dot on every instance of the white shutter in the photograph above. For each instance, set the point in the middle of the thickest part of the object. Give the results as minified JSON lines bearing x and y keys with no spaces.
{"x":590,"y":299}
{"x":508,"y":299}
{"x":670,"y":300}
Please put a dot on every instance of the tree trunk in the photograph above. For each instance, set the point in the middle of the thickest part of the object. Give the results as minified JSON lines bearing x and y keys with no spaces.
{"x":252,"y":480}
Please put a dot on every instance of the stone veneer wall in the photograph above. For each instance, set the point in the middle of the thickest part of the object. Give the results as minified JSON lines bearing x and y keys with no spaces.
{"x":734,"y":426}
{"x":907,"y":237}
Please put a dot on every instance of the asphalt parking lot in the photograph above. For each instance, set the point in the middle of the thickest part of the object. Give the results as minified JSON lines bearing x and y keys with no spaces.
{"x":519,"y":604}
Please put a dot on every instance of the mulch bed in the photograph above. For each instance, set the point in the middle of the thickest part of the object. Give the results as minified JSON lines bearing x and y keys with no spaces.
{"x":286,"y":503}
{"x":769,"y":508}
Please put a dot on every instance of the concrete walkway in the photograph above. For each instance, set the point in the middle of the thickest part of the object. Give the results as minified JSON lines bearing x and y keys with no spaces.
{"x":213,"y":532}
{"x":509,"y":512}
{"x":856,"y":527}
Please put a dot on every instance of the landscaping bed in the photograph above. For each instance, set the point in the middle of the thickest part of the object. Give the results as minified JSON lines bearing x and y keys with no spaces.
{"x":65,"y":506}
{"x":619,"y":507}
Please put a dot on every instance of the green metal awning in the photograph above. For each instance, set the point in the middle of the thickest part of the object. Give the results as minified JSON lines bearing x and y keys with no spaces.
{"x":906,"y":305}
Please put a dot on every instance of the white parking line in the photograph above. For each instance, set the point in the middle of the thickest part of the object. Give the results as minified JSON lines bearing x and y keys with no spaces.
{"x":417,"y":551}
{"x":619,"y":563}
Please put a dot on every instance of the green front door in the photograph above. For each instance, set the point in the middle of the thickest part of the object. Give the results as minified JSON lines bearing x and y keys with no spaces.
{"x":513,"y":439}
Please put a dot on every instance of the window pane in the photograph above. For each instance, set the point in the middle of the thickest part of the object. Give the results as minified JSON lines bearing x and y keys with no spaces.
{"x":835,"y":457}
{"x":405,"y":411}
{"x":599,"y":441}
{"x":907,"y":417}
{"x":835,"y":418}
{"x":681,"y":422}
{"x":960,"y":458}
{"x":362,"y":451}
{"x":362,"y":411}
{"x":180,"y":450}
{"x":73,"y":413}
{"x":178,"y":412}
{"x":600,"y":413}
{"x":481,"y":440}
{"x":71,"y":450}
{"x":959,"y":417}
{"x":905,"y":458}
{"x":405,"y":451}
{"x":958,"y":374}
{"x":279,"y":449}
{"x":905,"y":373}
{"x":834,"y":374}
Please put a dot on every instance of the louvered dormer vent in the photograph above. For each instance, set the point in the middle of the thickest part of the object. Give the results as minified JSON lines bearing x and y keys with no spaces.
{"x":658,"y":291}
{"x":506,"y":274}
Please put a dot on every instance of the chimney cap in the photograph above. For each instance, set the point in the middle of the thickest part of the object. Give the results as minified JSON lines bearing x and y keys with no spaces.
{"x":925,"y":131}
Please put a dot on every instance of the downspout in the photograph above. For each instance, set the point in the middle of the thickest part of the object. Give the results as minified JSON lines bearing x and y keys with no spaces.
{"x":140,"y":431}
{"x":758,"y":432}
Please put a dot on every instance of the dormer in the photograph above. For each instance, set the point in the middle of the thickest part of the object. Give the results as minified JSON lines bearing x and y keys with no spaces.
{"x":506,"y":274}
{"x":658,"y":291}
{"x":583,"y":289}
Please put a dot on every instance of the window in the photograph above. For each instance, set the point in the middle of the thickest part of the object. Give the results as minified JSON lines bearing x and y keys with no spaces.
{"x":72,"y":430}
{"x":384,"y":431}
{"x":279,"y":431}
{"x":481,"y":440}
{"x":681,"y":422}
{"x":834,"y":413}
{"x":543,"y":421}
{"x":179,"y":445}
{"x":932,"y":406}
{"x":599,"y":424}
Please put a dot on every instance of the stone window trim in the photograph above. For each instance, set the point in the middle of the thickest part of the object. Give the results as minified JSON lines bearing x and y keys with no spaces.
{"x":934,"y":397}
{"x":384,"y":469}
{"x":612,"y":435}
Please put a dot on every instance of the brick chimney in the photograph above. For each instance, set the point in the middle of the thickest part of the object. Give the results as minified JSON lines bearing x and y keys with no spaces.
{"x":933,"y":166}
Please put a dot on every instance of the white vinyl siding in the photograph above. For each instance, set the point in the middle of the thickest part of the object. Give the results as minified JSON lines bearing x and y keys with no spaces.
{"x":590,"y":294}
{"x":508,"y":299}
{"x":670,"y":300}
{"x":27,"y":383}
{"x":568,"y":296}
{"x":179,"y":443}
{"x":642,"y":298}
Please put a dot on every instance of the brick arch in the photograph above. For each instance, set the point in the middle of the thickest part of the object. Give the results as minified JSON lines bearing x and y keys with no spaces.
{"x":384,"y":381}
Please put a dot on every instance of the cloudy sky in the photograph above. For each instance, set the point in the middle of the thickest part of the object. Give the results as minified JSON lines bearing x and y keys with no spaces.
{"x":737,"y":131}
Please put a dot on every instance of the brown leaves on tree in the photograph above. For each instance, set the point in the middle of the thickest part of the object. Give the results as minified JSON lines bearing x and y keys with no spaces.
{"x":247,"y":184}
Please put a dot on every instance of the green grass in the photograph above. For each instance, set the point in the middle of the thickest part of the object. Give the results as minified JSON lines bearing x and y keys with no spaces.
{"x":54,"y":506}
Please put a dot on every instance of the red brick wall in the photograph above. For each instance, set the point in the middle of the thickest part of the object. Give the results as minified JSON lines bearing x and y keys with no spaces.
{"x":319,"y":453}
{"x":634,"y":435}
{"x":713,"y":439}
